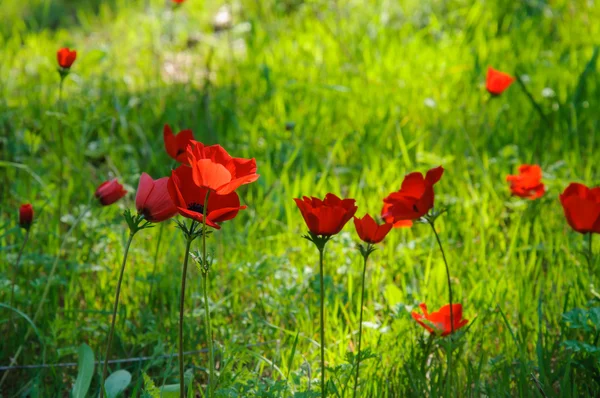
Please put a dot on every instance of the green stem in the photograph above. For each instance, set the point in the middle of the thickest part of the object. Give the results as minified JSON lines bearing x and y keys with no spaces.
{"x":114,"y":314}
{"x":322,"y":284}
{"x":181,"y":307}
{"x":205,"y":266}
{"x":590,"y":252}
{"x":40,"y":307}
{"x":437,"y":237}
{"x":16,"y":270}
{"x":362,"y":299}
{"x":61,"y":154}
{"x":160,"y":233}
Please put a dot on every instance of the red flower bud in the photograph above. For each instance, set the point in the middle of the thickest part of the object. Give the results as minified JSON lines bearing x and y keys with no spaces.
{"x":25,"y":216}
{"x":109,"y":192}
{"x":66,"y":57}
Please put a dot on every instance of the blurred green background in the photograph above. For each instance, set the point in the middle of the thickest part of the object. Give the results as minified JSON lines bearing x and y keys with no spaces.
{"x":329,"y":96}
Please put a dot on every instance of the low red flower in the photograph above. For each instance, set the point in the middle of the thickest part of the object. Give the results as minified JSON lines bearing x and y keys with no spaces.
{"x":414,"y":199}
{"x":528,"y":184}
{"x":326,"y":217}
{"x":153,"y":200}
{"x":369,"y":231}
{"x":25,"y":216}
{"x":178,"y":1}
{"x":582,"y":207}
{"x":214,"y":169}
{"x":176,"y":145}
{"x":496,"y":82}
{"x":109,"y":192}
{"x":66,"y":57}
{"x":189,"y":199}
{"x":439,"y":322}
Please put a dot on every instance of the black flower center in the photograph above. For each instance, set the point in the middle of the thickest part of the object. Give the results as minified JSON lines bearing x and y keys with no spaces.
{"x":197,"y":207}
{"x":415,"y":208}
{"x":180,"y":151}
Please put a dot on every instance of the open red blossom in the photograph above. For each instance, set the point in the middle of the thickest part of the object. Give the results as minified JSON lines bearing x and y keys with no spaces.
{"x":109,"y":192}
{"x":496,"y":82}
{"x":439,"y":322}
{"x":178,"y":1}
{"x":153,"y":200}
{"x":528,"y":184}
{"x":582,"y":207}
{"x":369,"y":231}
{"x":176,"y":144}
{"x":414,"y":199}
{"x":66,"y":57}
{"x":326,"y":217}
{"x":214,"y":169}
{"x":25,"y":216}
{"x":189,"y":199}
{"x":389,"y":219}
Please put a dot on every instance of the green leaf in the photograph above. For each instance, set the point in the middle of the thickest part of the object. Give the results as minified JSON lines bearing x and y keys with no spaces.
{"x":85,"y":371}
{"x":116,"y":383}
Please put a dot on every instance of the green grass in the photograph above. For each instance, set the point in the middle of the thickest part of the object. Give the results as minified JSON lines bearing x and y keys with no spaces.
{"x":375,"y":90}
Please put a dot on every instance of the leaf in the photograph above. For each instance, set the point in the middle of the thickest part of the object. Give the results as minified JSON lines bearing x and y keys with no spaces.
{"x":149,"y":387}
{"x":116,"y":383}
{"x":85,"y":371}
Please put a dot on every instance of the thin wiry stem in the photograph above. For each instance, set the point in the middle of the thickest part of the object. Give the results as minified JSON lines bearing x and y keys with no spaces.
{"x":181,"y":309}
{"x":362,"y":300}
{"x":211,"y":352}
{"x":322,"y":284}
{"x":114,"y":314}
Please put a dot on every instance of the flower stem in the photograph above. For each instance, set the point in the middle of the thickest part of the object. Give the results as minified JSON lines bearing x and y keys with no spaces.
{"x":114,"y":314}
{"x":362,"y":299}
{"x":16,"y":270}
{"x":437,"y":237}
{"x":181,"y":308}
{"x":322,"y":284}
{"x":590,"y":252}
{"x":61,"y":154}
{"x":160,"y":233}
{"x":206,"y":268}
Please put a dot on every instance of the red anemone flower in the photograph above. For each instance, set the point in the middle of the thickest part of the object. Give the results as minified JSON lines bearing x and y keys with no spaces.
{"x":214,"y":169}
{"x":369,"y":231}
{"x":189,"y":199}
{"x":415,"y":197}
{"x":582,"y":207}
{"x":326,"y":217}
{"x":66,"y":57}
{"x":176,"y":144}
{"x":496,"y":82}
{"x":25,"y":216}
{"x":153,"y":200}
{"x":389,"y":219}
{"x":439,"y":322}
{"x":528,"y":184}
{"x":109,"y":192}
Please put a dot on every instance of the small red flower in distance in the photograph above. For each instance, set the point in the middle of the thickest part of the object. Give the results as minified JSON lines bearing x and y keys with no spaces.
{"x":496,"y":82}
{"x":582,"y":207}
{"x":189,"y":199}
{"x":176,"y":144}
{"x":178,"y":1}
{"x":439,"y":322}
{"x":369,"y":231}
{"x":66,"y":57}
{"x":153,"y":200}
{"x":213,"y":168}
{"x":415,"y":197}
{"x":109,"y":192}
{"x":326,"y":217}
{"x":528,"y":184}
{"x":25,"y":216}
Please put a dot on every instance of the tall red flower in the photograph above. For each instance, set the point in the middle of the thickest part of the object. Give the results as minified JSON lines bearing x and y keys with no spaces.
{"x":389,"y":219}
{"x":153,"y":200}
{"x":25,"y":216}
{"x":189,"y":199}
{"x":109,"y":192}
{"x":439,"y":322}
{"x":66,"y":57}
{"x":213,"y":168}
{"x":496,"y":81}
{"x":582,"y":207}
{"x":415,"y":197}
{"x":369,"y":231}
{"x":176,"y":145}
{"x":528,"y":184}
{"x":326,"y":217}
